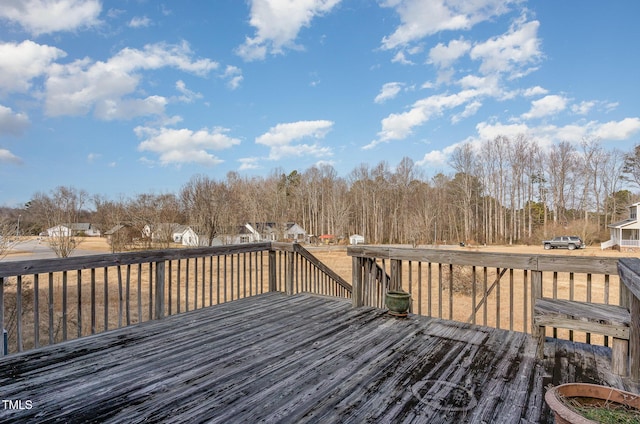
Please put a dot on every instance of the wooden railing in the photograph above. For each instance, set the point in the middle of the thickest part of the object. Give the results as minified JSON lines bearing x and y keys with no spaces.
{"x":52,"y":300}
{"x":629,"y":270}
{"x":494,"y":289}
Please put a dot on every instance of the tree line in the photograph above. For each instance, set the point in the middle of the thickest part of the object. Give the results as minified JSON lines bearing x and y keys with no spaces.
{"x":505,"y":190}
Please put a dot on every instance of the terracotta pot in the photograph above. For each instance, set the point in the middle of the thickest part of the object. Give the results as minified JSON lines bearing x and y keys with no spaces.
{"x":565,"y":415}
{"x":398,"y":302}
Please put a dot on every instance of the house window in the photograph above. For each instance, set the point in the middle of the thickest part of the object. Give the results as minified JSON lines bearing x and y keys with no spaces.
{"x":244,"y":239}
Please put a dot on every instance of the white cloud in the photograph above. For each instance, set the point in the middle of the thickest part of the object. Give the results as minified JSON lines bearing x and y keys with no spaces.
{"x":187,"y":96}
{"x":139,"y":22}
{"x":421,"y":18}
{"x":21,"y":63}
{"x":437,"y":158}
{"x":7,"y":157}
{"x":583,"y":108}
{"x":92,"y":157}
{"x":398,"y":126}
{"x":12,"y":123}
{"x":510,"y":53}
{"x":108,"y":87}
{"x":535,"y":91}
{"x":469,"y":110}
{"x":488,"y":131}
{"x":444,"y":56}
{"x":280,"y":139}
{"x":277,"y":23}
{"x":401,"y":59}
{"x":234,"y":77}
{"x":388,"y":91}
{"x":548,"y":105}
{"x":248,"y":163}
{"x":48,"y":16}
{"x":620,"y":130}
{"x":180,"y":146}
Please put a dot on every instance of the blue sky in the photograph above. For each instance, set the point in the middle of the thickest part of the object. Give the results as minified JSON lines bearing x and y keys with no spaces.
{"x":120,"y":98}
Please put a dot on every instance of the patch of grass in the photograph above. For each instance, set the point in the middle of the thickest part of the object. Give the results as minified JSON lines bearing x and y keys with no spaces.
{"x":602,"y":411}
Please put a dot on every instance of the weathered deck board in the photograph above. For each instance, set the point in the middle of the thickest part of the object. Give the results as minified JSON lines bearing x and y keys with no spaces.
{"x":304,"y":358}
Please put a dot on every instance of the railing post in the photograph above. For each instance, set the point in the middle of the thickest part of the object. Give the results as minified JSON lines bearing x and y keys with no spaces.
{"x":357,"y":282}
{"x":289,"y":274}
{"x":537,"y":331}
{"x":396,"y":274}
{"x":272,"y":271}
{"x":3,"y":350}
{"x":160,"y":283}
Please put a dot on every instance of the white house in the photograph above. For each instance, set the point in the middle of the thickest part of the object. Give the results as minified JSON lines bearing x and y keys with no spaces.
{"x":245,"y":234}
{"x":356,"y":239}
{"x":625,"y":234}
{"x":78,"y":228}
{"x":59,"y":231}
{"x":295,"y":232}
{"x":188,"y":237}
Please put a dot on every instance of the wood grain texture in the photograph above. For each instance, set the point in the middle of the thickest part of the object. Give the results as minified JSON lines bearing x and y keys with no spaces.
{"x":302,"y":358}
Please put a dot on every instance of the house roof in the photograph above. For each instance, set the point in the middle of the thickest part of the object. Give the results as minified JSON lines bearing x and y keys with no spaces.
{"x":623,"y":223}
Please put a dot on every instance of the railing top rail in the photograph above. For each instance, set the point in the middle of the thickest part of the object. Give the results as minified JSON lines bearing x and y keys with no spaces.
{"x":22,"y":267}
{"x":534,"y":262}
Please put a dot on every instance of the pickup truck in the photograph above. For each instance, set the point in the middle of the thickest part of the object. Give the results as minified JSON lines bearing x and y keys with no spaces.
{"x":569,"y":242}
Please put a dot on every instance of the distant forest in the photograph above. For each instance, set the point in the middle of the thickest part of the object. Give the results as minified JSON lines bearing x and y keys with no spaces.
{"x":506,"y":190}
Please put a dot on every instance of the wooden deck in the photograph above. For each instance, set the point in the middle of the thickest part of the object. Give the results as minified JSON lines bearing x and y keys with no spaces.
{"x":302,"y":358}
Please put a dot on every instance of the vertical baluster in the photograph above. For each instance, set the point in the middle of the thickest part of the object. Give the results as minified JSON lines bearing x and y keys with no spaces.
{"x":440,"y":290}
{"x":120,"y":296}
{"x":484,"y":295}
{"x":128,"y":294}
{"x":210,"y":280}
{"x":511,"y":304}
{"x":93,"y":301}
{"x":451,"y":291}
{"x":106,"y":298}
{"x":429,"y":289}
{"x":64,"y":305}
{"x":497,"y":298}
{"x":79,"y":303}
{"x":588,"y":336}
{"x":419,"y":288}
{"x":51,"y":340}
{"x":36,"y":310}
{"x":244,"y":274}
{"x":139,"y":292}
{"x":151,"y":292}
{"x":178,"y":285}
{"x":170,"y":287}
{"x":474,"y":294}
{"x":186,"y":286}
{"x":225,"y":276}
{"x":195,"y":283}
{"x":19,"y":314}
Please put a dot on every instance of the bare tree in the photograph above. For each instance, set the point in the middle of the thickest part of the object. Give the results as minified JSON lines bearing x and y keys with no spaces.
{"x":207,"y":206}
{"x":61,"y":210}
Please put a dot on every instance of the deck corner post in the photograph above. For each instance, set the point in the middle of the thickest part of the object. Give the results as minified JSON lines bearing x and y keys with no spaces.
{"x":289,"y":273}
{"x":272,"y":271}
{"x":634,"y":340}
{"x":160,"y":283}
{"x":357,"y":282}
{"x":537,"y":331}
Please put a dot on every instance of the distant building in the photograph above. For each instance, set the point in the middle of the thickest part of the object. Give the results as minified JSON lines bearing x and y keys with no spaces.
{"x":356,"y":239}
